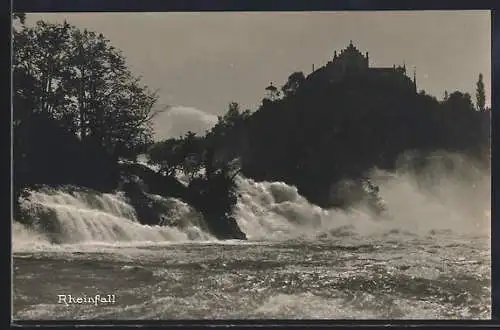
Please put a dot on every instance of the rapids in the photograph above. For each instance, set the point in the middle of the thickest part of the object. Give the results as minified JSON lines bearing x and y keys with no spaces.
{"x":429,"y":257}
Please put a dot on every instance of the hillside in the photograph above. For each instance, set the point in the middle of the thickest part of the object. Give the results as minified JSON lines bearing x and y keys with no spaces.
{"x":329,"y":126}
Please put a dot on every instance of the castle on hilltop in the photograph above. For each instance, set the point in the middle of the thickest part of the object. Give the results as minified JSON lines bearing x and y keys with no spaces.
{"x":350,"y":61}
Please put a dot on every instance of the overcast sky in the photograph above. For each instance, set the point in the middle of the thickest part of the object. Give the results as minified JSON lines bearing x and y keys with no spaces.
{"x":203,"y":61}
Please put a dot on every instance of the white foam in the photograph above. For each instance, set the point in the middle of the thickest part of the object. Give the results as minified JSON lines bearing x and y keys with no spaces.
{"x":456,"y":199}
{"x":92,"y":218}
{"x":268,"y":211}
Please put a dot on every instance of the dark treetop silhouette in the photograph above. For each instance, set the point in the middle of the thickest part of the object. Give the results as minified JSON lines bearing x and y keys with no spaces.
{"x":79,"y":113}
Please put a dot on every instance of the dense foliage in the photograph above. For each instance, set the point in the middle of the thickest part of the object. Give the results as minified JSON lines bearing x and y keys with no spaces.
{"x":321,"y":132}
{"x":79,"y":112}
{"x":77,"y":108}
{"x":325,"y":131}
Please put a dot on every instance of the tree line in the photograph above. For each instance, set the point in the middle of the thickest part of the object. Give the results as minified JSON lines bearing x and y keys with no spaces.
{"x":78,"y":109}
{"x":314,"y":132}
{"x":79,"y":112}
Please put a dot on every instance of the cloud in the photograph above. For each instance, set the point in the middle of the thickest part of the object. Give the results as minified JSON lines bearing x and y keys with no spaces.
{"x":179,"y":120}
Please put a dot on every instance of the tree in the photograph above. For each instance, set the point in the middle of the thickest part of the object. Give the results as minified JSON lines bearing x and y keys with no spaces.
{"x":295,"y":80}
{"x":167,"y":155}
{"x":19,"y":16}
{"x":272,"y":92}
{"x":79,"y":79}
{"x":184,"y":154}
{"x":232,"y":119}
{"x":458,"y":101}
{"x":480,"y":94}
{"x":192,"y":154}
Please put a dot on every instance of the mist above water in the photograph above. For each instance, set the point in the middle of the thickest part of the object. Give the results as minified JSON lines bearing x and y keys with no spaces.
{"x":451,"y":193}
{"x":427,"y":257}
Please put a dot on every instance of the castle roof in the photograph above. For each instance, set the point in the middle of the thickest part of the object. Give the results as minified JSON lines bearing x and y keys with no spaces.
{"x":350,"y":50}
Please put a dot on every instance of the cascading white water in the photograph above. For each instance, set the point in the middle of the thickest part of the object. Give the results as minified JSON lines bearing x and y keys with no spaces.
{"x":268,"y":211}
{"x":274,"y":210}
{"x":457,"y":200}
{"x":86,"y":217}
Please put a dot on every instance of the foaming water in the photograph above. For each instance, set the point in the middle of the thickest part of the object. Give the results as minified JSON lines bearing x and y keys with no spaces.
{"x":441,"y":199}
{"x":24,"y":237}
{"x":274,"y":210}
{"x":86,"y":218}
{"x":427,"y":257}
{"x":373,"y":278}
